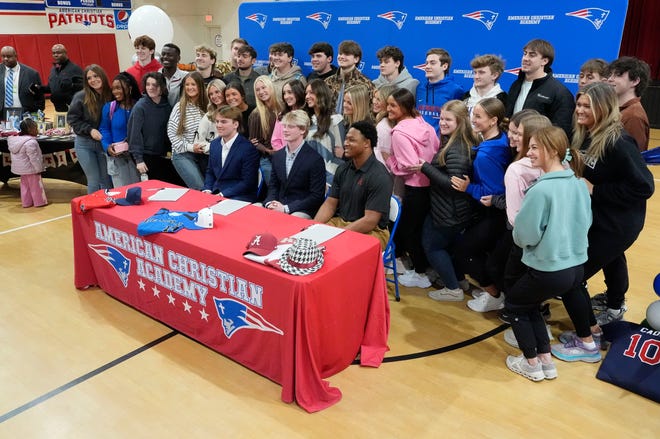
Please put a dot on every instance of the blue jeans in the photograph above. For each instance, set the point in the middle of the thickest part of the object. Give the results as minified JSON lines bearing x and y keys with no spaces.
{"x":190,"y":168}
{"x":437,"y":241}
{"x":93,"y":161}
{"x":266,"y":169}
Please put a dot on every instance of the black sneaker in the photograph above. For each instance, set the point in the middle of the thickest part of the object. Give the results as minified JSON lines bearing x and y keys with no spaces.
{"x":504,"y":316}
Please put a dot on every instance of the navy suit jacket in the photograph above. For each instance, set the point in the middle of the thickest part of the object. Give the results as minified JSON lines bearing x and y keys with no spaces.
{"x":238,"y":178}
{"x":304,"y":189}
{"x":26,"y":78}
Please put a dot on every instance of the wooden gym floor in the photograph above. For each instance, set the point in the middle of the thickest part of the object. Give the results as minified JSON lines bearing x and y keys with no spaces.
{"x":79,"y":364}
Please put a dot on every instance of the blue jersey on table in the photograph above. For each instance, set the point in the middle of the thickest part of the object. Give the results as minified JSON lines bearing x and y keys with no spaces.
{"x":633,"y":361}
{"x":168,"y":221}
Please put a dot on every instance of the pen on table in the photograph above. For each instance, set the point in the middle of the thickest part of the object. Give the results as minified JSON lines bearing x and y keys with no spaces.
{"x":155,"y":188}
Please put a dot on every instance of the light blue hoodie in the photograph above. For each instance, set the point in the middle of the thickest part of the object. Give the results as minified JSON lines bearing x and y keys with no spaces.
{"x":553,"y":222}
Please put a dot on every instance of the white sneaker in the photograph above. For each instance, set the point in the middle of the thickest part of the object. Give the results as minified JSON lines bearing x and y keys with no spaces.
{"x":478,"y":293}
{"x":486,"y":303}
{"x":510,"y":337}
{"x":413,"y":279}
{"x":447,"y":295}
{"x":521,"y":366}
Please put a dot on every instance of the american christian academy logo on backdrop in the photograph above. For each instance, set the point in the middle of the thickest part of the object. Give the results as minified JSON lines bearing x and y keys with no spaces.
{"x":258,"y":18}
{"x":595,"y":16}
{"x":396,"y":17}
{"x":486,"y":17}
{"x":322,"y":17}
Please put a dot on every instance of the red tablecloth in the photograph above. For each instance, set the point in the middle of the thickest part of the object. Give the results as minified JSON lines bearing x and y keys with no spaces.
{"x":296,"y":330}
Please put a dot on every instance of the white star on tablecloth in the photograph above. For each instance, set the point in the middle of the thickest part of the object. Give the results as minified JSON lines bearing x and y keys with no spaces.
{"x":204,"y":314}
{"x":156,"y":291}
{"x":141,"y":284}
{"x":186,"y":307}
{"x":170,"y":298}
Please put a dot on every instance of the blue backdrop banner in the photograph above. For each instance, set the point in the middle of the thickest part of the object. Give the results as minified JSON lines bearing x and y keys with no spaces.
{"x":578,"y":30}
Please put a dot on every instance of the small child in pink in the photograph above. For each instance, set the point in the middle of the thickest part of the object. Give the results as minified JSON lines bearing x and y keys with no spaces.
{"x":27,"y":162}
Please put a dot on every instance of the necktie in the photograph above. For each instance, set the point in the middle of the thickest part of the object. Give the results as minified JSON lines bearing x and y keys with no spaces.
{"x":9,"y":89}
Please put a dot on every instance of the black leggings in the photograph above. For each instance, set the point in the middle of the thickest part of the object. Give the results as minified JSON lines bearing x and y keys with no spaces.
{"x":479,"y":242}
{"x":606,"y":252}
{"x":408,"y":236}
{"x":523,"y":300}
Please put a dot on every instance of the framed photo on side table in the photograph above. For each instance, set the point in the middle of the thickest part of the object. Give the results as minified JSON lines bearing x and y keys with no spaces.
{"x":60,"y":121}
{"x":13,"y":117}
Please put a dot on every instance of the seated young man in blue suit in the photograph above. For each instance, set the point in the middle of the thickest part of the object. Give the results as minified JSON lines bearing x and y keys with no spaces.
{"x":233,"y":167}
{"x":297,"y":181}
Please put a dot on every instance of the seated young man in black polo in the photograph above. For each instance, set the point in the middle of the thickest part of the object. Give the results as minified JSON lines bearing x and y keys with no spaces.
{"x":359,"y":197}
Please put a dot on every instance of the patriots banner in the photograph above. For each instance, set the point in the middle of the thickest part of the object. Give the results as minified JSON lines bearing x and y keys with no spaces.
{"x":578,"y":30}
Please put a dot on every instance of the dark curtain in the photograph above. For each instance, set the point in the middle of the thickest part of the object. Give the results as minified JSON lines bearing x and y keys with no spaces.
{"x":641,"y":33}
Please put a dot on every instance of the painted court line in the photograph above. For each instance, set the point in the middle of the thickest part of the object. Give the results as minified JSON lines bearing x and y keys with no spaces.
{"x":444,"y":349}
{"x":35,"y":224}
{"x":79,"y":380}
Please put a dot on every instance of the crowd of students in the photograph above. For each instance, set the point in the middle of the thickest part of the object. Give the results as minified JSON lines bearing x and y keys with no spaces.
{"x":527,"y":193}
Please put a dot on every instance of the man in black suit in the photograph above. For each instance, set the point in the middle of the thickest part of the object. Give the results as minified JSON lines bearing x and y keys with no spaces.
{"x":233,"y":161}
{"x":25,"y":84}
{"x":297,"y":181}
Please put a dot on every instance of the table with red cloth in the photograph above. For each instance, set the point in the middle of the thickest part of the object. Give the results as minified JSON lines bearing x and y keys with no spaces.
{"x":294,"y":330}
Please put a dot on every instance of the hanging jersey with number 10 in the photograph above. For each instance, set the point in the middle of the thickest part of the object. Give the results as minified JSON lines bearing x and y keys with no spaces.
{"x":633,"y":361}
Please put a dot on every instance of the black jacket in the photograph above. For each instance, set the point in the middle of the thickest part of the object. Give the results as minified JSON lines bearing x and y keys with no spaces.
{"x":303,"y":190}
{"x":549,"y":97}
{"x":622,"y":184}
{"x":63,"y":83}
{"x":80,"y":118}
{"x":450,"y":207}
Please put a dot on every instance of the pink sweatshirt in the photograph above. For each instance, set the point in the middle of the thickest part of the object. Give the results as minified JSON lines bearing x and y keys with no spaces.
{"x":413,"y":140}
{"x":26,"y":156}
{"x":277,"y":138}
{"x":518,"y":177}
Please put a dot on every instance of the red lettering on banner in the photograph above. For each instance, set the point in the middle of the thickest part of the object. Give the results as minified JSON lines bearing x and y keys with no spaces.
{"x":67,"y":18}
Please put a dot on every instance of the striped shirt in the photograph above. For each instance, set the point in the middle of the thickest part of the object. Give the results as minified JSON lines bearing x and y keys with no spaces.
{"x":184,"y":142}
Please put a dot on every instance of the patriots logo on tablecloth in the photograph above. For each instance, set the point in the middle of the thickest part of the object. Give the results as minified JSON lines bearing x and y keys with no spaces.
{"x":236,"y":316}
{"x":258,"y":18}
{"x":595,"y":16}
{"x":322,"y":17}
{"x":396,"y":17}
{"x":120,"y":263}
{"x":486,"y":17}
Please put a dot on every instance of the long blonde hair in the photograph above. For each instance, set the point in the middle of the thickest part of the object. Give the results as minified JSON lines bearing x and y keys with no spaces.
{"x":268,"y":110}
{"x":361,"y":101}
{"x":384,"y":91}
{"x":463,"y":133}
{"x":607,"y":120}
{"x":217,"y":83}
{"x":202,"y":101}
